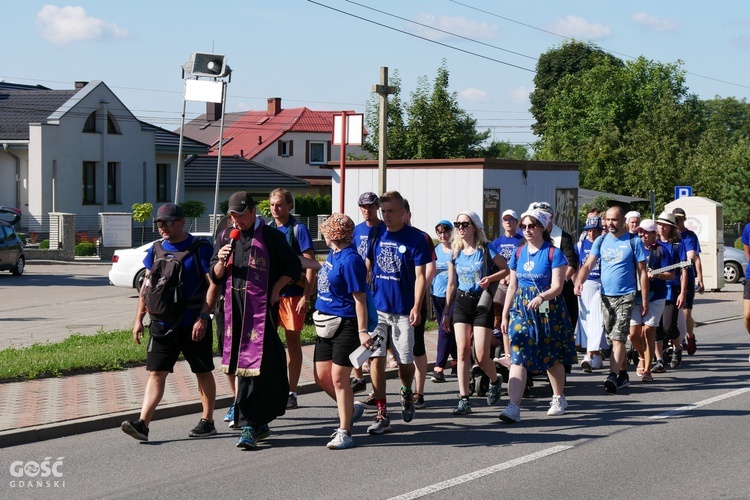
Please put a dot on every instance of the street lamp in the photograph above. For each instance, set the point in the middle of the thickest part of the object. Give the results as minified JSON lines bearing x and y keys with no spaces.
{"x":213,"y":69}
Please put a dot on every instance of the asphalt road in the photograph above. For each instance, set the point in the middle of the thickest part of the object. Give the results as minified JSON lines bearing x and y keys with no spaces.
{"x":48,"y":303}
{"x":685,"y":436}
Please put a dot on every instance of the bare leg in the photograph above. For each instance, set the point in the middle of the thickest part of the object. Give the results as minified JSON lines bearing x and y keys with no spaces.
{"x":420,"y":373}
{"x":482,"y":345}
{"x":556,"y":375}
{"x":517,"y":383}
{"x":152,"y":396}
{"x":463,"y":343}
{"x":377,"y":374}
{"x":344,"y":395}
{"x":207,"y":390}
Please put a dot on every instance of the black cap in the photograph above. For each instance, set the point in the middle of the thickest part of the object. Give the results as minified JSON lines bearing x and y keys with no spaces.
{"x":368,"y":198}
{"x":169,"y":212}
{"x":239,"y":202}
{"x":678,"y":212}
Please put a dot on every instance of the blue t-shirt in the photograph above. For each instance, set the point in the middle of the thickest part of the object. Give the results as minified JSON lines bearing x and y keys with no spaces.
{"x":342,"y":274}
{"x":535,"y":269}
{"x":656,"y":259}
{"x":440,"y":281}
{"x":190,"y":275}
{"x":677,"y":252}
{"x":506,"y":245}
{"x":396,"y":254}
{"x":690,"y":242}
{"x":617,"y":262}
{"x":361,"y":236}
{"x":746,"y":241}
{"x":470,"y":269}
{"x":583,"y":249}
{"x":304,"y":240}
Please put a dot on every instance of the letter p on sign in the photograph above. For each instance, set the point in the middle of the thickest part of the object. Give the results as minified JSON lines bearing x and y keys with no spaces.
{"x":680,"y":191}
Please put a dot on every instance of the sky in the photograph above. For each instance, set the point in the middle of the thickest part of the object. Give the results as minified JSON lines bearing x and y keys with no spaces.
{"x":327,"y":54}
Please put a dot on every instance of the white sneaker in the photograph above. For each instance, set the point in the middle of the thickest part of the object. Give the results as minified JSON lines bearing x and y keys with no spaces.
{"x":511,"y":414}
{"x":596,"y":362}
{"x":557,"y":406}
{"x":586,"y":364}
{"x":340,"y":440}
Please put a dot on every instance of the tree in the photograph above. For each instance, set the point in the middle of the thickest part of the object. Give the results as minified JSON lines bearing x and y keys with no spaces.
{"x":505,"y":150}
{"x":192,"y":210}
{"x":396,"y":125}
{"x":736,"y":184}
{"x":141,"y":213}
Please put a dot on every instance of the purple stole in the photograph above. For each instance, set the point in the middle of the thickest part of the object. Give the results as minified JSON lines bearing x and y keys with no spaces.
{"x":256,"y":308}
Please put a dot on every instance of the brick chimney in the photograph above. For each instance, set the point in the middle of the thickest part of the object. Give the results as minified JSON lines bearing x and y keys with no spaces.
{"x":213,"y":111}
{"x":79,"y":85}
{"x":274,"y":106}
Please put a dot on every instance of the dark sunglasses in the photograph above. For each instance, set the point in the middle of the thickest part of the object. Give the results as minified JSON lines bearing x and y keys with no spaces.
{"x":162,"y":223}
{"x":461,"y":225}
{"x":533,"y":225}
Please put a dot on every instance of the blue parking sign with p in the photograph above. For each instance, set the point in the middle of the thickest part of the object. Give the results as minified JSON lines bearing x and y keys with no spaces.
{"x":680,"y":191}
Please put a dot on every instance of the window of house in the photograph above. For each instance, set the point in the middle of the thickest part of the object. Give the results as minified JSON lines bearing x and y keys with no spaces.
{"x":113,"y":184}
{"x":112,"y":126}
{"x":90,"y":125}
{"x":162,"y":177}
{"x":89,"y":183}
{"x":317,"y":152}
{"x":286,"y":148}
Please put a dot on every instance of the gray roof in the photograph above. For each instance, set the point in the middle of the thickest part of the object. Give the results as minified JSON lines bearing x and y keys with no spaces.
{"x":170,"y":141}
{"x":236,"y":172}
{"x":18,"y":108}
{"x":586,"y":196}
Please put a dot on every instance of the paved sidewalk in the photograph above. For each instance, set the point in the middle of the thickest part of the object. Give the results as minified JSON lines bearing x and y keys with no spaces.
{"x":54,"y":407}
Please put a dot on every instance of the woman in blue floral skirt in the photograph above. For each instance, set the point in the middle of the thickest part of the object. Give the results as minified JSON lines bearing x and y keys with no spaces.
{"x":535,"y":317}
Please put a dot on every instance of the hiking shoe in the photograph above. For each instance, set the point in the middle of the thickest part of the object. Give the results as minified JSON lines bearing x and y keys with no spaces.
{"x":493,"y":391}
{"x":557,"y":406}
{"x":586,"y":364}
{"x":136,"y":429}
{"x":463,"y":408}
{"x":438,"y":377}
{"x":291,"y":404}
{"x":381,"y":425}
{"x":357,"y":412}
{"x":691,"y":346}
{"x":407,"y":405}
{"x":261,"y":432}
{"x":358,"y":386}
{"x":229,"y":417}
{"x":596,"y":362}
{"x":658,"y":366}
{"x":248,"y":439}
{"x":419,"y":401}
{"x":511,"y":414}
{"x":368,"y":403}
{"x":340,"y":440}
{"x":203,"y":429}
{"x":610,"y":385}
{"x":676,"y":359}
{"x":623,"y":380}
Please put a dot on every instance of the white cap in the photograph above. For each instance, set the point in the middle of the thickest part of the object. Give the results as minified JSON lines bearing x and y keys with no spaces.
{"x":632,"y":214}
{"x":510,"y":212}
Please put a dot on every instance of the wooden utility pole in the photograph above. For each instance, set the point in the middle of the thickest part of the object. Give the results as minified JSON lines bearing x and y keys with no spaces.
{"x":382,"y":89}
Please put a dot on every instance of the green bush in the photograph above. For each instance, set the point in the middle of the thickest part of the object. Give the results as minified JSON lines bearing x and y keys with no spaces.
{"x":738,"y":244}
{"x":85,"y":249}
{"x":44,"y":245}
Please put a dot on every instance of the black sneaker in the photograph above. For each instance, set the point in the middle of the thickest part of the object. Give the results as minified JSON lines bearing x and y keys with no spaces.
{"x":623,"y":380}
{"x":676,"y":359}
{"x":407,"y":405}
{"x":484,"y":385}
{"x":658,"y":366}
{"x":291,"y":403}
{"x":203,"y":429}
{"x":611,"y":383}
{"x":261,"y":431}
{"x":381,"y":425}
{"x":438,"y":377}
{"x":368,"y":403}
{"x":136,"y":429}
{"x":419,"y":401}
{"x":358,"y":386}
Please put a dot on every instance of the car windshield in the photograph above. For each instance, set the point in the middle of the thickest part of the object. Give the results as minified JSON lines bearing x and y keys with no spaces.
{"x":10,"y":215}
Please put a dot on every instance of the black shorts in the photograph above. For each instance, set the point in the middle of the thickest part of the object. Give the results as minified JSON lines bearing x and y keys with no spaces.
{"x":419,"y":347}
{"x":163,"y":350}
{"x":465,"y":311}
{"x":338,"y":348}
{"x":689,"y":294}
{"x":746,"y":293}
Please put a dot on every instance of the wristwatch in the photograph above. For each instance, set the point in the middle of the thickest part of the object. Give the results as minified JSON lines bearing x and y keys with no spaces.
{"x":204,"y":316}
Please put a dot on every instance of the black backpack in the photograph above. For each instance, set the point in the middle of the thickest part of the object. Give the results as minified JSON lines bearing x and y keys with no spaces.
{"x":162,"y":292}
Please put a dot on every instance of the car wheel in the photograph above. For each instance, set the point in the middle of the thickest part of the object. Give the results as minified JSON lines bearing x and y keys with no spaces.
{"x":139,"y":280}
{"x":732,"y":272}
{"x":18,"y":270}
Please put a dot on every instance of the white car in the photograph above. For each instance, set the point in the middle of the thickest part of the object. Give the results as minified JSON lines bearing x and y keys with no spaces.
{"x":127,"y":265}
{"x":735,"y":265}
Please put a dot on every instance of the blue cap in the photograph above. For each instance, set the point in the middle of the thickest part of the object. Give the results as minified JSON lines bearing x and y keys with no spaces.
{"x":593,"y":223}
{"x":445,"y":222}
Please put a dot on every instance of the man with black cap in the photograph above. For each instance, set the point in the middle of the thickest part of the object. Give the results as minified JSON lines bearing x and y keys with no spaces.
{"x":693,"y":250}
{"x":250,"y":269}
{"x":191,"y":335}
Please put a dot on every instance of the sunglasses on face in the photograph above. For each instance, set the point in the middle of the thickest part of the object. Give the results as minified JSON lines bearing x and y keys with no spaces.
{"x":461,"y":225}
{"x":530,"y":227}
{"x":163,"y":223}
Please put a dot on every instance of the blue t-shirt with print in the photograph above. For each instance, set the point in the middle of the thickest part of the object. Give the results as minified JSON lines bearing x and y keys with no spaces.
{"x":440,"y":281}
{"x":660,"y":258}
{"x":304,"y":240}
{"x":690,"y":242}
{"x":470,"y":268}
{"x":583,"y":249}
{"x":361,"y":236}
{"x":342,"y":274}
{"x":746,"y":241}
{"x":190,"y":275}
{"x":535,"y":269}
{"x":678,"y":254}
{"x":396,"y":254}
{"x":618,"y":263}
{"x":506,"y":245}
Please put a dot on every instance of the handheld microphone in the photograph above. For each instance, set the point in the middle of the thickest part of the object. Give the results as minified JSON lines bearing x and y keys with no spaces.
{"x":234,"y":235}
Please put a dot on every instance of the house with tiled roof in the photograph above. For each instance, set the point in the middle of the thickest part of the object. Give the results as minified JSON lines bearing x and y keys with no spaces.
{"x":81,"y":151}
{"x":296,"y":141}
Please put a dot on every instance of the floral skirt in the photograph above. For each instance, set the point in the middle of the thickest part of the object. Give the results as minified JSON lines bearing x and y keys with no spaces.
{"x":539,"y":341}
